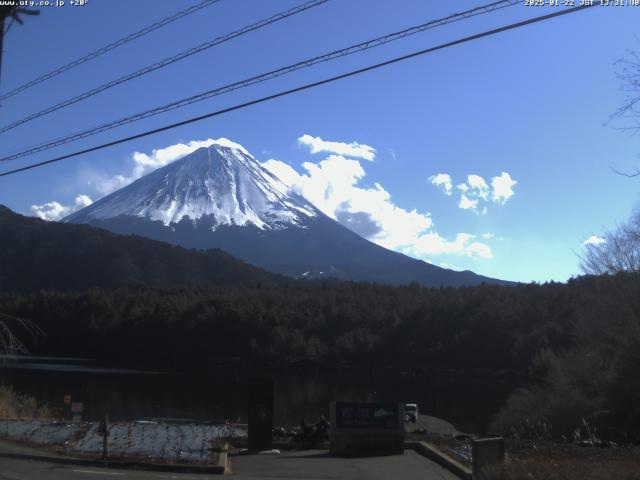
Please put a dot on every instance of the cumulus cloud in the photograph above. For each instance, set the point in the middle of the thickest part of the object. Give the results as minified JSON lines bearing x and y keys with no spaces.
{"x":82,"y":201}
{"x":477,"y":186}
{"x":353,"y":149}
{"x":475,"y":193}
{"x":49,"y":211}
{"x":594,"y":240}
{"x":442,"y":180}
{"x":333,"y":185}
{"x":502,"y":188}
{"x":53,"y":211}
{"x":463,"y":244}
{"x":467,"y":203}
{"x":144,"y":163}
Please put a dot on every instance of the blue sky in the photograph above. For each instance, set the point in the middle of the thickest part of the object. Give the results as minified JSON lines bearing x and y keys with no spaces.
{"x":532,"y":103}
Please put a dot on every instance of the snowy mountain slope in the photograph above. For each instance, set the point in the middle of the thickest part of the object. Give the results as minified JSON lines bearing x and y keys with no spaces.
{"x":221,"y":197}
{"x":224,"y":184}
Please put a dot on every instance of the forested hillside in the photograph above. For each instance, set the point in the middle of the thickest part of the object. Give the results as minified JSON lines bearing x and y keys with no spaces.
{"x":577,"y":343}
{"x":38,"y":255}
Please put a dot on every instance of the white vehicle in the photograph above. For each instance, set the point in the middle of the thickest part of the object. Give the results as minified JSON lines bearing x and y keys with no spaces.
{"x":411,"y":412}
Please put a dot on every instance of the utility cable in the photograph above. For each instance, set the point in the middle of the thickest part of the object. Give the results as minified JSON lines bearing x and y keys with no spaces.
{"x":167,"y":61}
{"x":360,"y":47}
{"x":305,"y":87}
{"x":109,"y":47}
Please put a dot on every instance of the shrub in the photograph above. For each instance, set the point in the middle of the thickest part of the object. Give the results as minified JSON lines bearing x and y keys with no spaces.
{"x":17,"y":405}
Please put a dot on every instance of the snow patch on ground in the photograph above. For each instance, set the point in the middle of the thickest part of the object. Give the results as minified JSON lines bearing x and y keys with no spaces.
{"x":161,"y":441}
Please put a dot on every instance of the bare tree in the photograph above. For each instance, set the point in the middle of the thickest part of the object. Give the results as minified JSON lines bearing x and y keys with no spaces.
{"x":619,"y":252}
{"x":10,"y":343}
{"x":629,"y":75}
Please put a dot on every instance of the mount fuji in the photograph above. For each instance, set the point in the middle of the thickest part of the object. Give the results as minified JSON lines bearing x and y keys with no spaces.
{"x":221,"y":197}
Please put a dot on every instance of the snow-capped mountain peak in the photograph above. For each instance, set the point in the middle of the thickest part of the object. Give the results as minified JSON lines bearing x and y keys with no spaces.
{"x":221,"y":183}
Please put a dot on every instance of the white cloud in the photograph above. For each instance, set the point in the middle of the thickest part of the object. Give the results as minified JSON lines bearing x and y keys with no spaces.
{"x":432,"y":244}
{"x":353,"y":149}
{"x":82,"y":201}
{"x":333,"y":186}
{"x":594,"y":240}
{"x":502,"y":188}
{"x":466,"y":203}
{"x":488,"y":235}
{"x":49,"y":211}
{"x":284,"y":172}
{"x":478,"y":186}
{"x":475,"y":193}
{"x":442,"y":180}
{"x":480,"y":250}
{"x":55,"y":211}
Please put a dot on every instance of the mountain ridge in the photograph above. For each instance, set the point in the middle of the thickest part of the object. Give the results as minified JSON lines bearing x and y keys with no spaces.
{"x":40,"y":255}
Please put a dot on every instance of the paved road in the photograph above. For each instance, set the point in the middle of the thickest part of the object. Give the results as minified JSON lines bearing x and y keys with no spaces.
{"x":27,"y":470}
{"x":318,"y":465}
{"x":431,"y":425}
{"x":311,"y":465}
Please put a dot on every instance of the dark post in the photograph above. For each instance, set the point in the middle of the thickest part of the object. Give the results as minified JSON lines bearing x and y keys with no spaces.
{"x":67,"y":407}
{"x":103,"y":429}
{"x":486,"y":452}
{"x":260,"y":414}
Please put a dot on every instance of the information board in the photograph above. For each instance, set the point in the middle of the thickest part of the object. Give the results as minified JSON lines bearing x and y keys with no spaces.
{"x":374,"y":416}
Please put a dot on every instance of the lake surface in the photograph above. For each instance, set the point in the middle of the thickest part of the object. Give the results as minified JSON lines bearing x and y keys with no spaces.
{"x":467,"y":402}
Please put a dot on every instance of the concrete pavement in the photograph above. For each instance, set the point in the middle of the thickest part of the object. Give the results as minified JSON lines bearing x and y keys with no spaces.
{"x":312,"y":465}
{"x":431,"y":425}
{"x":303,"y":465}
{"x":26,"y":458}
{"x":318,"y":465}
{"x":30,"y":470}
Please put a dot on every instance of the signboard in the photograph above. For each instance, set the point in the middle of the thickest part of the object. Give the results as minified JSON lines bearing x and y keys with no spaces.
{"x":67,"y":399}
{"x":367,"y":415}
{"x":364,"y":429}
{"x":77,"y":407}
{"x":76,"y":418}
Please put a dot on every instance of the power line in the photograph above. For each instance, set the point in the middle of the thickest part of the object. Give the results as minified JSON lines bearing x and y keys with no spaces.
{"x":167,"y":61}
{"x":264,"y":77}
{"x":305,"y":87}
{"x":109,"y":47}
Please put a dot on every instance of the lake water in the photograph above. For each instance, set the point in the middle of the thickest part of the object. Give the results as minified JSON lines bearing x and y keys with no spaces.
{"x":467,"y":402}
